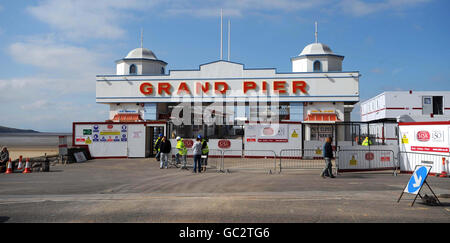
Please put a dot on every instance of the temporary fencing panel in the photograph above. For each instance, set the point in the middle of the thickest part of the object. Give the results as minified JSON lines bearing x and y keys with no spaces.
{"x":302,"y":159}
{"x":214,"y":161}
{"x":409,"y":161}
{"x":366,"y":160}
{"x":266,"y":160}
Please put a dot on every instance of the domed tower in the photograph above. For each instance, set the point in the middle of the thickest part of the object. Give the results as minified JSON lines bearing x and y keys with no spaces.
{"x":317,"y":57}
{"x":141,"y":61}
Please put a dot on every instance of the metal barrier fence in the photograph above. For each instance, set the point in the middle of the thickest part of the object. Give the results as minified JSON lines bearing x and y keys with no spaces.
{"x":302,"y":159}
{"x":265,"y":160}
{"x":366,"y":160}
{"x":214,"y":159}
{"x":409,"y":160}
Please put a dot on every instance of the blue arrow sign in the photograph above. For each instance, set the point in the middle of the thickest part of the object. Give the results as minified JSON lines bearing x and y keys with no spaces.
{"x":417,"y":179}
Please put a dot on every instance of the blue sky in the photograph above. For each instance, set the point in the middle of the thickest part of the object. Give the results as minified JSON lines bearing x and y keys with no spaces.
{"x":51,"y":50}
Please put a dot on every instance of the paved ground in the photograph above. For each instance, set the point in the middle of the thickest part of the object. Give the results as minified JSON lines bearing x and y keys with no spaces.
{"x":136,"y":190}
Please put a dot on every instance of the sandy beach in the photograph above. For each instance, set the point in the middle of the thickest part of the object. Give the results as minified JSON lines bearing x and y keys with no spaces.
{"x":31,"y":152}
{"x":31,"y":145}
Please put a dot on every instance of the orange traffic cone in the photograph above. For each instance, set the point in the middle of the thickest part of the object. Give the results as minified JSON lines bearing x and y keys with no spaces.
{"x":27,"y":167}
{"x":20,"y":166}
{"x":9,"y":170}
{"x":443,"y":173}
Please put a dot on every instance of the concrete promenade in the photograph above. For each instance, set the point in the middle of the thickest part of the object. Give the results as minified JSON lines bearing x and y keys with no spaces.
{"x":136,"y":190}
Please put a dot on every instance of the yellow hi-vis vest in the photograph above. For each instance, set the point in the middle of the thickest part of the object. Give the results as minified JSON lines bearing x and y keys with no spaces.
{"x":181,"y":147}
{"x":156,"y":143}
{"x":205,"y":150}
{"x":366,"y":142}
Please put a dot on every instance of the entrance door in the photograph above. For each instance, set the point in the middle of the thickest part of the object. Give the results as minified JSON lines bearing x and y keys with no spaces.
{"x":152,"y":133}
{"x":427,"y":105}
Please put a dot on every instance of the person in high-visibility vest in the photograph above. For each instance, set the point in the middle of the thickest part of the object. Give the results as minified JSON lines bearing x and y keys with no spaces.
{"x":205,"y":153}
{"x":366,"y":142}
{"x":157,"y":146}
{"x":182,"y":152}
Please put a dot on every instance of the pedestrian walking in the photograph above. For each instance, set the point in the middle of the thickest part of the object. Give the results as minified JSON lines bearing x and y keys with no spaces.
{"x":165,"y":149}
{"x":327,"y":155}
{"x":197,"y":151}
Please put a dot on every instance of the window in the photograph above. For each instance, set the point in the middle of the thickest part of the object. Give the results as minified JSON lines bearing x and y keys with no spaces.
{"x":133,"y":69}
{"x":163,"y":70}
{"x":317,"y":66}
{"x":432,"y":105}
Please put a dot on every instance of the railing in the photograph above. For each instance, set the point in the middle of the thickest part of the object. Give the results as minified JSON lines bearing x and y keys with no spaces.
{"x":349,"y":160}
{"x":302,"y":159}
{"x":264,"y":160}
{"x":214,"y":160}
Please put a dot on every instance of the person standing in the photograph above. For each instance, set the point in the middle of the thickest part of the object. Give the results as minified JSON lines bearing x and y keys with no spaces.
{"x":157,"y":146}
{"x":327,"y":155}
{"x":197,"y":151}
{"x":4,"y":158}
{"x":165,"y":148}
{"x":182,"y":151}
{"x":205,"y":153}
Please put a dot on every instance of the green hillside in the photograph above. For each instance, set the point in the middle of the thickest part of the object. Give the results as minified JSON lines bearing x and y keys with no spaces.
{"x":15,"y":130}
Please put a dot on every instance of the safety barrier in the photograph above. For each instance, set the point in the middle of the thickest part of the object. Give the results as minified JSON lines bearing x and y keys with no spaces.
{"x":302,"y":159}
{"x":409,"y":160}
{"x":214,"y":160}
{"x":349,"y":160}
{"x":265,"y":160}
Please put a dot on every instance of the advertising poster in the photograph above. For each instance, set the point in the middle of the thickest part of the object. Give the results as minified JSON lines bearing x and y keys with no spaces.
{"x":273,"y":133}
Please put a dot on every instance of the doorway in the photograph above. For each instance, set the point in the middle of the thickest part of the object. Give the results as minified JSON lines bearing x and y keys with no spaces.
{"x":152,"y":133}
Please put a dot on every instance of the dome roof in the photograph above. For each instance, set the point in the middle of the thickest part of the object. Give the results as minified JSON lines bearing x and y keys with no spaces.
{"x":316,"y":49}
{"x":141,"y":53}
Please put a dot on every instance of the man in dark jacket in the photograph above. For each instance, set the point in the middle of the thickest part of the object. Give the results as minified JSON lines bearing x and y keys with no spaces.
{"x":327,"y":155}
{"x":165,"y":148}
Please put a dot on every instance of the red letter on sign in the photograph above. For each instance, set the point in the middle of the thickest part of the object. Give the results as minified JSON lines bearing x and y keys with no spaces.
{"x":164,"y":87}
{"x":204,"y":88}
{"x":183,"y":87}
{"x":264,"y":88}
{"x":224,"y":89}
{"x":279,"y":87}
{"x":146,"y":88}
{"x":249,"y":85}
{"x":299,"y":85}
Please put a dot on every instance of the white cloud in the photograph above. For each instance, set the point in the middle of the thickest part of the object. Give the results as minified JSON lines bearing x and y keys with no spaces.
{"x":237,"y":8}
{"x":362,"y":8}
{"x":54,"y":57}
{"x":83,"y":19}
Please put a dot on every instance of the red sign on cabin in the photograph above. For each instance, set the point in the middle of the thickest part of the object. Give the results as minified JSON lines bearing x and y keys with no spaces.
{"x":423,"y":136}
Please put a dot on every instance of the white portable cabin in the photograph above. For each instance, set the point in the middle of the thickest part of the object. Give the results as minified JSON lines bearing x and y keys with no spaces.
{"x":407,"y":106}
{"x":424,"y":143}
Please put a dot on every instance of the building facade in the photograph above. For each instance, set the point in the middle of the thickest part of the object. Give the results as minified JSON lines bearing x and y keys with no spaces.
{"x":317,"y":91}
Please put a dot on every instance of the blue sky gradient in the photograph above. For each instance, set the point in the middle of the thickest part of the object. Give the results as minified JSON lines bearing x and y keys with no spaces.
{"x":51,"y":50}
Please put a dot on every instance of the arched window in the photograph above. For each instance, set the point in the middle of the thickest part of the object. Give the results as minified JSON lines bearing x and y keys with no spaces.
{"x":133,"y":69}
{"x":317,"y":66}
